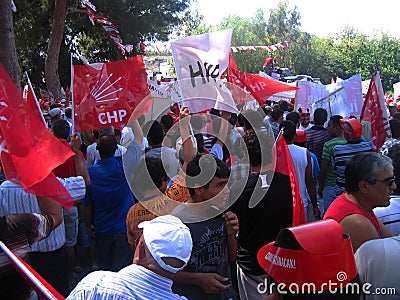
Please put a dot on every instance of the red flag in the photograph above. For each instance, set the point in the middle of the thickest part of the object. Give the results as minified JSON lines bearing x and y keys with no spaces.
{"x":40,"y":285}
{"x":260,"y":87}
{"x":29,"y":151}
{"x":285,"y":166}
{"x":32,"y":103}
{"x":372,"y":112}
{"x":106,"y":94}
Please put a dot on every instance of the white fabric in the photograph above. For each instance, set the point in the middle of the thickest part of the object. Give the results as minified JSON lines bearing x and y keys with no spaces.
{"x":199,"y":62}
{"x":167,"y":237}
{"x":390,"y":215}
{"x":299,"y":156}
{"x":92,"y":154}
{"x":378,"y":263}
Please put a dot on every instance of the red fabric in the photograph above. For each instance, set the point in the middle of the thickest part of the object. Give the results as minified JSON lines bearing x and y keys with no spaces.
{"x":32,"y":103}
{"x":261,"y":88}
{"x":67,"y":169}
{"x":372,"y":112}
{"x":285,"y":166}
{"x":29,"y":151}
{"x":268,"y":61}
{"x":107,"y":96}
{"x":343,"y":207}
{"x":37,"y":282}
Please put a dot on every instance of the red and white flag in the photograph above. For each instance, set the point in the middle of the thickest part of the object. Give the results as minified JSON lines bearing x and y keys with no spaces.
{"x":199,"y":62}
{"x":37,"y":282}
{"x":260,"y":88}
{"x":285,"y":166}
{"x":31,"y":101}
{"x":374,"y":113}
{"x":105,"y":94}
{"x":29,"y":151}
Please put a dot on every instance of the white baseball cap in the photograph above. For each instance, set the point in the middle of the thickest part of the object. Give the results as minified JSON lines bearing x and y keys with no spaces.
{"x":167,"y":237}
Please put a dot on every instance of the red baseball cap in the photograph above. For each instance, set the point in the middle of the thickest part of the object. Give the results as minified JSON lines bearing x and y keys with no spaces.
{"x":304,"y":110}
{"x":324,"y":255}
{"x":352,"y":127}
{"x":300,"y":136}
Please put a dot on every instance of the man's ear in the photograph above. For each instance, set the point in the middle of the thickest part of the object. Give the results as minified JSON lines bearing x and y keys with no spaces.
{"x":197,"y":189}
{"x":363,"y":185}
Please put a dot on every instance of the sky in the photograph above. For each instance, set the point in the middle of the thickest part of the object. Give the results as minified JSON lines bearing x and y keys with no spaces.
{"x":322,"y":18}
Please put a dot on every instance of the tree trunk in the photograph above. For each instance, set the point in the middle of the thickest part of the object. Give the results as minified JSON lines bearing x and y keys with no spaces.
{"x":8,"y":52}
{"x":53,"y":50}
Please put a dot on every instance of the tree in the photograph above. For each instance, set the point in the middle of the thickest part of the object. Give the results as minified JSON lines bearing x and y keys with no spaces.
{"x":53,"y":50}
{"x":136,"y":20}
{"x":8,"y":53}
{"x":247,"y":32}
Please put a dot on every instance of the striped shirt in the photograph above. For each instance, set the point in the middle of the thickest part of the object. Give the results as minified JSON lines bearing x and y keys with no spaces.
{"x":340,"y":155}
{"x":14,"y":200}
{"x":132,"y":282}
{"x":390,"y":215}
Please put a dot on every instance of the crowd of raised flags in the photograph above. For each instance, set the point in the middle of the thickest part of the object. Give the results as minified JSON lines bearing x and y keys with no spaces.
{"x":107,"y":94}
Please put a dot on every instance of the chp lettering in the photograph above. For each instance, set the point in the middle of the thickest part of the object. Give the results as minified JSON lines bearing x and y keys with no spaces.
{"x":110,"y":117}
{"x":205,"y":71}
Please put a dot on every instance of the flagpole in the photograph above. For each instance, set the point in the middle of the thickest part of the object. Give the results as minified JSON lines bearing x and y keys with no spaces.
{"x":72,"y":95}
{"x":34,"y":96}
{"x":39,"y":284}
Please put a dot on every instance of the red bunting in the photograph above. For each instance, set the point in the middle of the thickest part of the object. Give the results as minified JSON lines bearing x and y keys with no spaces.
{"x":285,"y":166}
{"x":107,"y":95}
{"x":29,"y":151}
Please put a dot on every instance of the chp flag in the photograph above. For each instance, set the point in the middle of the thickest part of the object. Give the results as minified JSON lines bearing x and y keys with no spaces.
{"x":105,"y":94}
{"x":199,"y":62}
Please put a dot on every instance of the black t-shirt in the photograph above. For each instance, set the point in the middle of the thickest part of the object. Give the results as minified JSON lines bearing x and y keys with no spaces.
{"x":260,"y":225}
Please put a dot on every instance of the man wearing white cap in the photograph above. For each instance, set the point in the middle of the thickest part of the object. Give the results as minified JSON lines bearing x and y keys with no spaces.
{"x":164,"y":248}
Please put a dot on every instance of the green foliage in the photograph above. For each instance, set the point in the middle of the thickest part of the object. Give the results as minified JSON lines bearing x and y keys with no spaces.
{"x":136,"y":21}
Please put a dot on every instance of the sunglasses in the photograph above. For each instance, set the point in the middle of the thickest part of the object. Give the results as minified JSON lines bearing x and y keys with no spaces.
{"x":389,"y":181}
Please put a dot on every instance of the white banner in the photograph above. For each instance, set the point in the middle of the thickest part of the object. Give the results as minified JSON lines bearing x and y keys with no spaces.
{"x":342,"y":98}
{"x":199,"y":62}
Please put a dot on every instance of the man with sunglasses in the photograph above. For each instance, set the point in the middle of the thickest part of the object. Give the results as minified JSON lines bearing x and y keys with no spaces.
{"x":369,"y":183}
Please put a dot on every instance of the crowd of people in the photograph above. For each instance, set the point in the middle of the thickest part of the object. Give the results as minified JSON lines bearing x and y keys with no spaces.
{"x":193,"y":207}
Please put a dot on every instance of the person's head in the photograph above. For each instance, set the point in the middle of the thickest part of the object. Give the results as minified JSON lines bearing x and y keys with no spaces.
{"x":283,"y":105}
{"x":148,"y":177}
{"x":165,"y":246}
{"x":320,"y":116}
{"x":107,"y":145}
{"x":155,"y":133}
{"x":395,"y":128}
{"x":118,"y":134}
{"x":396,"y":116}
{"x":197,"y":123}
{"x":334,"y":128}
{"x":277,"y":115}
{"x":267,"y":109}
{"x":294,"y":117}
{"x":166,"y":123}
{"x":303,"y":266}
{"x":253,"y":120}
{"x":304,"y":116}
{"x":300,"y":139}
{"x":55,"y":114}
{"x":394,"y":154}
{"x":370,"y":174}
{"x":47,"y":118}
{"x":393,"y":108}
{"x":259,"y":147}
{"x":352,"y":129}
{"x":68,"y":112}
{"x":289,"y":131}
{"x":60,"y":129}
{"x":206,"y":177}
